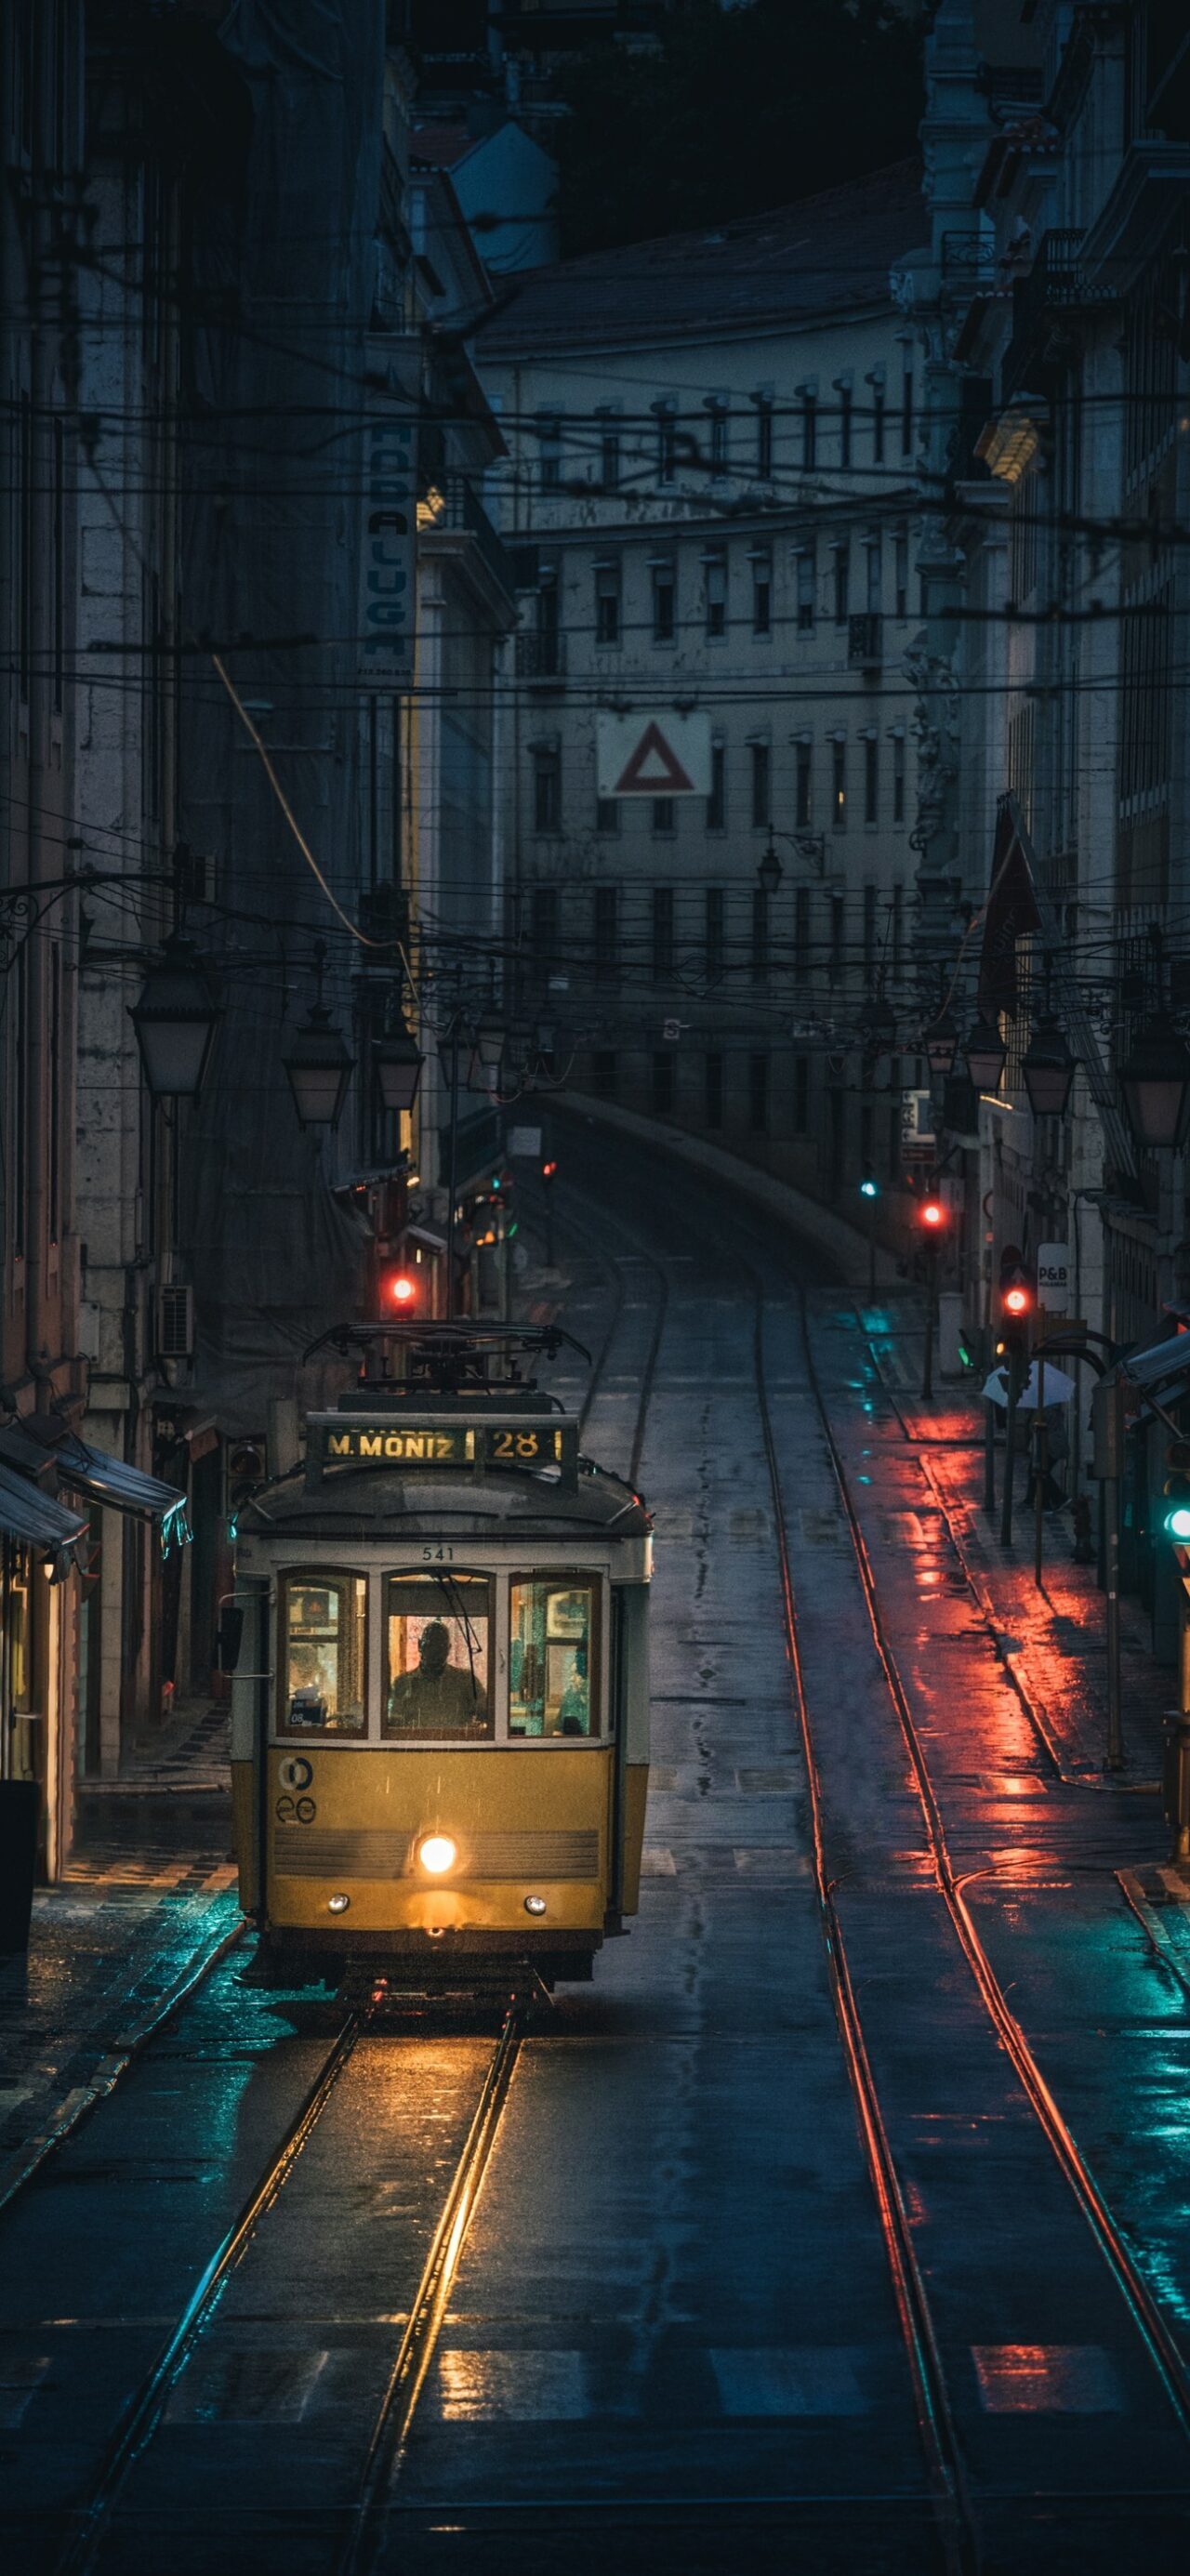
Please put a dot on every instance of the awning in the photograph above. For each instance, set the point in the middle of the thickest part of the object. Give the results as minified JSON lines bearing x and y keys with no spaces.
{"x":34,"y":1451}
{"x":1162,"y":1368}
{"x":36,"y":1520}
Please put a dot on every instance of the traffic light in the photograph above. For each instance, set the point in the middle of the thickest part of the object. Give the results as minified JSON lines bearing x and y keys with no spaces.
{"x":1175,"y":1519}
{"x":1018,"y":1297}
{"x":869,"y":1186}
{"x":398,"y":1290}
{"x":932,"y":1216}
{"x":548,"y":1171}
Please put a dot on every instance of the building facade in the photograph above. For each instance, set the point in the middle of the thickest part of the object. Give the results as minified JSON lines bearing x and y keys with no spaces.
{"x":711,"y":497}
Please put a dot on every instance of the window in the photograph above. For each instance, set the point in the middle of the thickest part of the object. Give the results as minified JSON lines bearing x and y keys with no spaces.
{"x":901,"y":572}
{"x":664,"y":603}
{"x":717,"y":412}
{"x":839,"y":785}
{"x":842,"y":555}
{"x":869,"y":933}
{"x":714,"y":934}
{"x":801,"y":930}
{"x":609,"y":451}
{"x":549,"y":438}
{"x":760,"y":936}
{"x":871,"y":778}
{"x":809,"y":432}
{"x":607,"y":814}
{"x":547,"y":790}
{"x":715,"y":566}
{"x":838,"y":957}
{"x":436,"y":1629}
{"x":878,"y":425}
{"x":663,"y":933}
{"x":607,"y":603}
{"x":845,"y":409}
{"x":898,"y":929}
{"x":907,"y":411}
{"x":874,"y":585}
{"x":322,"y":1659}
{"x":553,"y":1643}
{"x":803,"y":785}
{"x":663,"y":1082}
{"x":807,"y":581}
{"x":667,"y":442}
{"x":762,"y":764}
{"x":762,"y":593}
{"x":758,"y":1094}
{"x":801,"y":1094}
{"x":664,"y":813}
{"x":898,"y":778}
{"x":605,"y":1074}
{"x":713,"y":1090}
{"x":547,"y":623}
{"x":764,"y":438}
{"x":717,"y":800}
{"x":607,"y":933}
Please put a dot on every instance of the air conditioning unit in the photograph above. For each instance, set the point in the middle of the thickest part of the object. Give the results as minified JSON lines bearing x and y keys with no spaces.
{"x":175,"y":1323}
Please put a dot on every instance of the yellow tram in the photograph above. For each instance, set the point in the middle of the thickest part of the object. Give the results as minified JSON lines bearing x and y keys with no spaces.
{"x":440,"y":1706}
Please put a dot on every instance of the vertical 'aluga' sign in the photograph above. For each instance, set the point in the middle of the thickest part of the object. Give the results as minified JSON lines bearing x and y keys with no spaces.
{"x":388,"y":593}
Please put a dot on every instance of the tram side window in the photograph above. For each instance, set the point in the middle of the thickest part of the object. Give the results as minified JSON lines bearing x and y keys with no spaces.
{"x":551,"y":1675}
{"x":436,"y":1681}
{"x":323,"y":1654}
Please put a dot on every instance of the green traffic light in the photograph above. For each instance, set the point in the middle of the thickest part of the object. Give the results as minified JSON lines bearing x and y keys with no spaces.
{"x":868,"y":1190}
{"x":1177,"y":1522}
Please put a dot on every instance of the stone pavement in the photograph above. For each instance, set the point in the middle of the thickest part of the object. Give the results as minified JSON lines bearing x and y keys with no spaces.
{"x":147,"y":1899}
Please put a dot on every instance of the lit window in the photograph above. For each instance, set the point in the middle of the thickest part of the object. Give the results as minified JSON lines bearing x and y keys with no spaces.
{"x":323,"y":1654}
{"x":436,"y":1646}
{"x":552,"y":1656}
{"x":839,"y":786}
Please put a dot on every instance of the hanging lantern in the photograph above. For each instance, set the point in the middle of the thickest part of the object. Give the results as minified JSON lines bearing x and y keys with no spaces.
{"x":319,"y":1066}
{"x":1155,"y":1081}
{"x":397,"y":1062}
{"x":769,"y":870}
{"x":941,"y":1044}
{"x":175,"y":1021}
{"x":1048,"y":1069}
{"x":986,"y":1055}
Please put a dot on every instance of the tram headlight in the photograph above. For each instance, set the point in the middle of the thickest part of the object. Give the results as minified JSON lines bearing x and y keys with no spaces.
{"x":535,"y":1905}
{"x":437,"y":1854}
{"x":337,"y":1904}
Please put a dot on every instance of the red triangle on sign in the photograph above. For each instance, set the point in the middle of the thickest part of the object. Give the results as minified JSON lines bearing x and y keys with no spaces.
{"x":665,"y":777}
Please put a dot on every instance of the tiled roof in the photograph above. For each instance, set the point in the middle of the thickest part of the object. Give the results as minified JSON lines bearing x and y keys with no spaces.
{"x":821,"y":255}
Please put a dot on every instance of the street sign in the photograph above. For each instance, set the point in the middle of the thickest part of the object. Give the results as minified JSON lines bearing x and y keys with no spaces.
{"x":1053,"y":1277}
{"x":387,"y":579}
{"x":917,"y":1122}
{"x":653,"y":753}
{"x":671,"y":1031}
{"x":524,"y":1143}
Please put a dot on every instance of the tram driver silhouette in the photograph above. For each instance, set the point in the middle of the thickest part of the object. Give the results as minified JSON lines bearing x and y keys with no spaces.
{"x":436,"y":1697}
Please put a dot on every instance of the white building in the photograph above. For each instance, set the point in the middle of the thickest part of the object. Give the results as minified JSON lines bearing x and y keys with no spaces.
{"x":711,"y":495}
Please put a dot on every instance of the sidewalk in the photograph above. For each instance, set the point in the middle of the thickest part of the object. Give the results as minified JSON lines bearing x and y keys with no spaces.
{"x":147,"y":1899}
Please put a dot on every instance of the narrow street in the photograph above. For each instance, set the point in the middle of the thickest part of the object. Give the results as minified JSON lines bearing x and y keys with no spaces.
{"x":840,"y":2221}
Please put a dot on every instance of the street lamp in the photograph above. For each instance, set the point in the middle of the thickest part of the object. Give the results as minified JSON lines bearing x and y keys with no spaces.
{"x":941,"y":1044}
{"x":1048,"y":1069}
{"x":1155,"y":1081}
{"x":398,"y":1062}
{"x":986,"y":1055}
{"x":769,"y":870}
{"x":319,"y":1063}
{"x":175,"y":1021}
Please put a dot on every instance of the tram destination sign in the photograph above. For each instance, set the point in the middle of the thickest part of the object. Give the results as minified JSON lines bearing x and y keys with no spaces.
{"x":483,"y":1448}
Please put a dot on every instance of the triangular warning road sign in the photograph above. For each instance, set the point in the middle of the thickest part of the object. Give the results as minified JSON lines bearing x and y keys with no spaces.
{"x":653,"y":769}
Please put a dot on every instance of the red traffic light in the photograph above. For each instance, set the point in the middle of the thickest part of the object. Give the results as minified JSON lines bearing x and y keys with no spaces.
{"x":399,"y":1289}
{"x":548,"y":1170}
{"x":933,"y":1213}
{"x":1016,"y":1301}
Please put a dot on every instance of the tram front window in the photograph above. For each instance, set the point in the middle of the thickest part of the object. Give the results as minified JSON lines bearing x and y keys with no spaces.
{"x":436,"y":1628}
{"x":551,"y":1650}
{"x":323,"y":1632}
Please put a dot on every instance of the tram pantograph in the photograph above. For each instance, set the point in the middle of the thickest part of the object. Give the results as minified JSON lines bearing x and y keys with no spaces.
{"x":440,"y":1706}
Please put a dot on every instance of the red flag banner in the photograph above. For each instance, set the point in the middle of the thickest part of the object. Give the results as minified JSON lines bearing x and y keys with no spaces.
{"x":1009,"y":914}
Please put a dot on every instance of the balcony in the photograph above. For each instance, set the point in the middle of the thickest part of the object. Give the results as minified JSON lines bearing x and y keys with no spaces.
{"x":865,"y":649}
{"x":541,"y":660}
{"x":452,"y":509}
{"x":1057,"y":287}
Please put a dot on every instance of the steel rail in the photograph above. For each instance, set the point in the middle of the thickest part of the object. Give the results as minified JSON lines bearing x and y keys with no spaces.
{"x":936,"y":2424}
{"x":1163,"y":2350}
{"x":614,"y":1267}
{"x":418,"y":2343}
{"x":143,"y":2413}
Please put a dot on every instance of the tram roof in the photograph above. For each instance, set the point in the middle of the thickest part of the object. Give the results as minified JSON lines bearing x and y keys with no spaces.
{"x":377,"y":1502}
